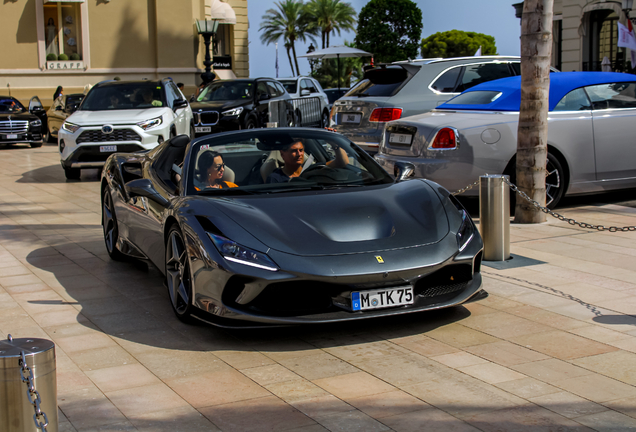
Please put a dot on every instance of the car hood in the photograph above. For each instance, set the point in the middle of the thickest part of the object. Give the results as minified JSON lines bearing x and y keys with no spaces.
{"x":18,"y":116}
{"x":217,"y":105}
{"x":338,"y":222}
{"x":127,"y":116}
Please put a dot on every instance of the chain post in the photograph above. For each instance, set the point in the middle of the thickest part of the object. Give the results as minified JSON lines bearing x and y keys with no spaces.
{"x":32,"y":394}
{"x":556,"y":215}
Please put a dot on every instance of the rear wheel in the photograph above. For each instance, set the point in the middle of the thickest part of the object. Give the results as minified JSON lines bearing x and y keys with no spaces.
{"x":111,"y":231}
{"x":178,"y":276}
{"x":72,"y":173}
{"x":555,"y":182}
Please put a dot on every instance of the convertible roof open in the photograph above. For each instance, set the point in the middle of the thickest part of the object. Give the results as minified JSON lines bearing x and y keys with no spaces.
{"x":510,"y":89}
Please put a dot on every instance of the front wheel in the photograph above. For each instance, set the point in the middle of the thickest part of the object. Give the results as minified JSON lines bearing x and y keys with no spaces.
{"x":178,"y":276}
{"x":250,"y":123}
{"x":72,"y":173}
{"x":325,"y":119}
{"x":109,"y":223}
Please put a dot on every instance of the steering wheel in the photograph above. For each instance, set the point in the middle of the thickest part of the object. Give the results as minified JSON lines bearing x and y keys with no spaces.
{"x":320,"y":170}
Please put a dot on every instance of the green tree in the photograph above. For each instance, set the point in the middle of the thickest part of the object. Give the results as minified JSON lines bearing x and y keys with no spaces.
{"x":329,"y":16}
{"x":457,"y":43}
{"x":390,"y":29}
{"x":292,"y":23}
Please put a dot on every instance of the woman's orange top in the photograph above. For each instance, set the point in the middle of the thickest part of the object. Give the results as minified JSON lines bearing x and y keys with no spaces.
{"x":223,"y":185}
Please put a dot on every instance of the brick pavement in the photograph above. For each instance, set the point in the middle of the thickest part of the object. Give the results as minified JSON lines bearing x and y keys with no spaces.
{"x":552,"y":348}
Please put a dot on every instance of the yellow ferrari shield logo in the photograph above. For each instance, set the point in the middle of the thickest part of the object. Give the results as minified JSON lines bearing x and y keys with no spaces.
{"x":379,"y":258}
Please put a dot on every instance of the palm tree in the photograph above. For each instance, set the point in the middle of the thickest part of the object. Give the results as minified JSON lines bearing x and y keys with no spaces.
{"x":290,"y":22}
{"x":331,"y":16}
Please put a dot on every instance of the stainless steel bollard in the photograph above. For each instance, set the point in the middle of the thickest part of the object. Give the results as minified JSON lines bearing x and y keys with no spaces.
{"x":16,"y":412}
{"x":494,"y":217}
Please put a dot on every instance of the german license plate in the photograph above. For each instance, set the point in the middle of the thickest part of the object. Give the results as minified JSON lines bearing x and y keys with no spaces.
{"x":12,"y":136}
{"x":351,"y":118}
{"x":201,"y":129}
{"x":378,"y":299}
{"x":106,"y":149}
{"x":400,"y":138}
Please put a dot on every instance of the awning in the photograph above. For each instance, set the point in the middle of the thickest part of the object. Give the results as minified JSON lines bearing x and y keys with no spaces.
{"x":224,"y":74}
{"x":220,"y":11}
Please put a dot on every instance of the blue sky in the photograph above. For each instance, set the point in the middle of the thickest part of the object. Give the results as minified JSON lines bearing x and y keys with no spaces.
{"x":492,"y":17}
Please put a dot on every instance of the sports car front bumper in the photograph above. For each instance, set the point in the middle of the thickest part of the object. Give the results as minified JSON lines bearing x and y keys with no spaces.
{"x":318,"y":289}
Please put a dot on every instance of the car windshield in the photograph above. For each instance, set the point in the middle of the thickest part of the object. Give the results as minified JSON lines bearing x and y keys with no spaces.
{"x":121,"y":96}
{"x":226,"y":91}
{"x":290,"y":85}
{"x":277,"y":161}
{"x":10,"y":105}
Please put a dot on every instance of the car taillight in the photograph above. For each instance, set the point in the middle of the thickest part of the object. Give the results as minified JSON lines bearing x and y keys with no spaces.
{"x":385,"y":114}
{"x":446,"y":138}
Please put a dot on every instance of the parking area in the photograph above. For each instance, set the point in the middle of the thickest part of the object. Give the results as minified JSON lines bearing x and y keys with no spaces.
{"x":552,"y":348}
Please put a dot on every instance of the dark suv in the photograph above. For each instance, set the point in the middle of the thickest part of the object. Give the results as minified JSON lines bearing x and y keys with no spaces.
{"x":238,"y":104}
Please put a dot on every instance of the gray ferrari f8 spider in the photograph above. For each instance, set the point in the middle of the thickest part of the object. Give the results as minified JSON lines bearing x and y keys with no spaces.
{"x":288,"y":226}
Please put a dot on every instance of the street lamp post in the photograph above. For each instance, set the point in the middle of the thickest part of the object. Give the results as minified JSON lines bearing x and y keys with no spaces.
{"x":311,"y":49}
{"x":207,"y":29}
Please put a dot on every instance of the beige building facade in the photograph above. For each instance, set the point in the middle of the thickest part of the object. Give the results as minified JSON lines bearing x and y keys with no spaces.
{"x":586,"y":31}
{"x":73,"y":43}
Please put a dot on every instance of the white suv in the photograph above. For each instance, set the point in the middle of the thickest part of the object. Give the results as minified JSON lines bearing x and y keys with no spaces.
{"x":122,"y":116}
{"x":300,"y":88}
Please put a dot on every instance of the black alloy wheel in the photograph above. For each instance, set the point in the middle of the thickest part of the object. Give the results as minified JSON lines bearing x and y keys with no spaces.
{"x":109,"y":223}
{"x":325,"y":119}
{"x":178,"y":276}
{"x":250,"y":123}
{"x":72,"y":173}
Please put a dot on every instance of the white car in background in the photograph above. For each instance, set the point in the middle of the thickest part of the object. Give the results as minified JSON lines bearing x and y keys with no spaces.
{"x":304,"y":87}
{"x":122,"y":116}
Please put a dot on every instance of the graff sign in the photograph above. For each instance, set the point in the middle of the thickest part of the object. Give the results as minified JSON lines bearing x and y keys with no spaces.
{"x":74,"y":65}
{"x":222,"y":62}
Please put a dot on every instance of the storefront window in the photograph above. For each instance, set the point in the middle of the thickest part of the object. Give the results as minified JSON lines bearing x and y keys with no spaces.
{"x":63,"y":31}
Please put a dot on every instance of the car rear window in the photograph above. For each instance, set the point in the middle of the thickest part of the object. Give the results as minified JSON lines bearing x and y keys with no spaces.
{"x":475,"y":98}
{"x":380,"y":82}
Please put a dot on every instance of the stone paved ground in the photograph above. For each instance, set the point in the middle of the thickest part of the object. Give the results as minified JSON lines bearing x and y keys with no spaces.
{"x":552,"y":348}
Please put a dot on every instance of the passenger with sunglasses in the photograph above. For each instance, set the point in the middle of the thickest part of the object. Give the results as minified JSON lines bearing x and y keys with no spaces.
{"x":212,"y":168}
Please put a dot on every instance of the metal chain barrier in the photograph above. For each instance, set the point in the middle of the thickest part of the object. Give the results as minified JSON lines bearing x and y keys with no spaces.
{"x":32,"y":394}
{"x":546,"y":210}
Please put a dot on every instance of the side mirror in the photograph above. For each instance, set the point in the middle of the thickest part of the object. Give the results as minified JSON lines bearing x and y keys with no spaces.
{"x":403,"y":170}
{"x":304,"y":92}
{"x":37,"y":109}
{"x":264,"y":96}
{"x":144,"y":188}
{"x":180,"y":103}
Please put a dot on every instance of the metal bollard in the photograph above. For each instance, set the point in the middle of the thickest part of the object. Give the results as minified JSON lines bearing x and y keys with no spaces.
{"x":16,"y":411}
{"x":494,"y":217}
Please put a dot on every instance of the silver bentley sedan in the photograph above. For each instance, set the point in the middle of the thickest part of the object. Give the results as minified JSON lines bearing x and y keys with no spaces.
{"x":591,"y":135}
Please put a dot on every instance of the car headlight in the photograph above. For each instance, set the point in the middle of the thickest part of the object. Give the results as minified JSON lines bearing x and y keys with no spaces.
{"x":466,"y":231}
{"x":233,"y":112}
{"x":36,"y":123}
{"x":147,"y":124}
{"x":70,"y":127}
{"x":234,"y":252}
